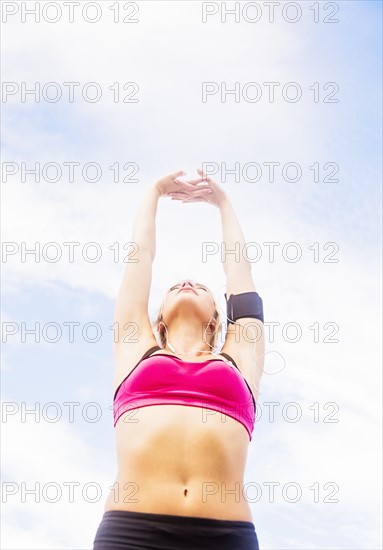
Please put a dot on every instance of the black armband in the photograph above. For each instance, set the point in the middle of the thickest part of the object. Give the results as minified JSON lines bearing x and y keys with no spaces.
{"x":246,"y":304}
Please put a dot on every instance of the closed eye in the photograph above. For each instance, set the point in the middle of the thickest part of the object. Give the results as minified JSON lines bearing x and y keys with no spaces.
{"x":203,"y":287}
{"x":198,"y":286}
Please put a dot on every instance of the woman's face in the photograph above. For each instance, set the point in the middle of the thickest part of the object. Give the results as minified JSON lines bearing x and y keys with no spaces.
{"x":189,"y":294}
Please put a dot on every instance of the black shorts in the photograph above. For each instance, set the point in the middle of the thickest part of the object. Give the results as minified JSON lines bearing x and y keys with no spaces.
{"x":123,"y":530}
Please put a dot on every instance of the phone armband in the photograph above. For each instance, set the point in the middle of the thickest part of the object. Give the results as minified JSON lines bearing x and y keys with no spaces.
{"x":246,"y":304}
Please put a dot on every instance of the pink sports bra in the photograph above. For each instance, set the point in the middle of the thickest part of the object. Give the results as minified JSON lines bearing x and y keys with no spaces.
{"x":165,"y":379}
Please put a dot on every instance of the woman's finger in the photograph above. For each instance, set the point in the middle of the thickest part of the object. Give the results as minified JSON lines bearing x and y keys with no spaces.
{"x":204,"y":176}
{"x":185,"y":197}
{"x":200,"y":199}
{"x":177,"y":174}
{"x":194,"y":182}
{"x":193,"y":188}
{"x":176,"y":194}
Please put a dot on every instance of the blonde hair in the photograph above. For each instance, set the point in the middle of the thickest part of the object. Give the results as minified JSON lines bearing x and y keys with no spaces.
{"x":213,"y":341}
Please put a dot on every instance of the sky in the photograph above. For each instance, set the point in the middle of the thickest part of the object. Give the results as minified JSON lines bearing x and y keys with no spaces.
{"x":318,"y":431}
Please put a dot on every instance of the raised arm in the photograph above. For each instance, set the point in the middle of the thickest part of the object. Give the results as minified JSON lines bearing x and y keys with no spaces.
{"x":131,"y":308}
{"x":244,"y":339}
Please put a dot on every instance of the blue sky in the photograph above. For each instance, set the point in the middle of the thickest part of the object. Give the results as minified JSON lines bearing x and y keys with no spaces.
{"x":170,"y":53}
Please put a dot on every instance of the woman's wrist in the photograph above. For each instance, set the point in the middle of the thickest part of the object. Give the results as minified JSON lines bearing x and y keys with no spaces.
{"x":157,"y":190}
{"x":223,"y":201}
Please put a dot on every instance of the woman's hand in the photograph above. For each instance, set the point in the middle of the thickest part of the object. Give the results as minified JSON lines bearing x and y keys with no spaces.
{"x":183,"y":193}
{"x":193,"y":189}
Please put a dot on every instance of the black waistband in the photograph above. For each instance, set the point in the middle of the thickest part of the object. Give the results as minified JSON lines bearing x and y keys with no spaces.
{"x":176,"y":519}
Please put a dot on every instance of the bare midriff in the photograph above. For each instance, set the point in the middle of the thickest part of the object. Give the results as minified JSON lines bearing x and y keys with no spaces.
{"x":180,"y":460}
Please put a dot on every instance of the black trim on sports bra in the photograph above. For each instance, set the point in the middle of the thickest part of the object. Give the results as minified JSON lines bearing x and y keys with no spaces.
{"x":229,"y":357}
{"x":156,"y":348}
{"x":146,"y":354}
{"x":234,"y":363}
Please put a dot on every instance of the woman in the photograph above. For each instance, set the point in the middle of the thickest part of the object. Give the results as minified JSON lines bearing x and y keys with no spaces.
{"x":180,"y":480}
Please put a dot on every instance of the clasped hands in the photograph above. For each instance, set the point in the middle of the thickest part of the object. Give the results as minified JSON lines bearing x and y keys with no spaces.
{"x":202,"y":189}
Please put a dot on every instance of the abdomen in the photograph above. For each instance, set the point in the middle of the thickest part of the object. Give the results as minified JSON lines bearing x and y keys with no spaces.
{"x":182,"y":460}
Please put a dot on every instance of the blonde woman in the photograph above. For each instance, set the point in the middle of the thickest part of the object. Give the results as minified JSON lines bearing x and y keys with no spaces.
{"x":183,"y":413}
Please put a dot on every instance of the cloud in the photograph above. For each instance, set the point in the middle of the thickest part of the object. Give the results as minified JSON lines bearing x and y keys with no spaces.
{"x":47,"y":502}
